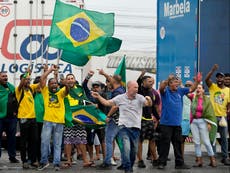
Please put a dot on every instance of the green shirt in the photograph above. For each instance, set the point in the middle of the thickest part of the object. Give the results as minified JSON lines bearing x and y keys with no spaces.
{"x":4,"y":91}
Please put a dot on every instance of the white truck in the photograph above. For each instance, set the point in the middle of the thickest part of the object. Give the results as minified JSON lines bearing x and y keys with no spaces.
{"x":24,"y":29}
{"x":24,"y":34}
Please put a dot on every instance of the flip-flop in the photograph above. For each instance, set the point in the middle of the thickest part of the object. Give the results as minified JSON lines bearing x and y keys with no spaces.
{"x":66,"y":165}
{"x":90,"y":164}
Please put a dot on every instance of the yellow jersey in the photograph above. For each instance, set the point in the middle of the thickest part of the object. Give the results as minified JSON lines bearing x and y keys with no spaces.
{"x":54,"y":105}
{"x":219,"y":98}
{"x":26,"y":108}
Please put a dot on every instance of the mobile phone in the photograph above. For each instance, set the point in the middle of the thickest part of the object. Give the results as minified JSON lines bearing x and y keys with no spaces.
{"x":61,"y":76}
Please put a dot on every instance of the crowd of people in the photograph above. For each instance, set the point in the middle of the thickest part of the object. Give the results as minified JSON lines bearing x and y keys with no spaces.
{"x":134,"y":113}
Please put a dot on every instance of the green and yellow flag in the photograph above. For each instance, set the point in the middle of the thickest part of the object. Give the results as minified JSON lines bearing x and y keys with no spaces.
{"x":88,"y":115}
{"x":81,"y":33}
{"x":110,"y":45}
{"x":73,"y":58}
{"x":121,"y":70}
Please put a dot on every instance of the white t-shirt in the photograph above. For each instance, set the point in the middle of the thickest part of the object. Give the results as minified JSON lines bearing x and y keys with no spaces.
{"x":130,"y":110}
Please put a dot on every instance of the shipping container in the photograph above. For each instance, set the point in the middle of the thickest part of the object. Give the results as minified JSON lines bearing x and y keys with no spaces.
{"x":192,"y":36}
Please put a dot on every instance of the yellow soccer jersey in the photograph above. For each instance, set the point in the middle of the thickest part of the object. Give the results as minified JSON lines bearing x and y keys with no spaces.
{"x":219,"y":98}
{"x":54,"y":105}
{"x":72,"y":101}
{"x":26,"y":107}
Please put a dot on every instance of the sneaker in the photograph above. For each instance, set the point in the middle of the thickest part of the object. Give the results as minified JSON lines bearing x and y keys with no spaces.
{"x":14,"y":160}
{"x":141,"y":164}
{"x":56,"y":167}
{"x":120,"y":167}
{"x":225,"y":161}
{"x":43,"y":166}
{"x":25,"y":165}
{"x":105,"y":166}
{"x":113,"y":163}
{"x":161,"y":166}
{"x":184,"y":166}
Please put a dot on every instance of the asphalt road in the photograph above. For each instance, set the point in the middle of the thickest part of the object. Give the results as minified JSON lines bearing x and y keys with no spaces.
{"x":7,"y":167}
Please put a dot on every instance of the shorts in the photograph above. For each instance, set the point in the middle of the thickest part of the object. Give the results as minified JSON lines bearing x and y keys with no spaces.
{"x":147,"y":130}
{"x":91,"y":135}
{"x":75,"y":135}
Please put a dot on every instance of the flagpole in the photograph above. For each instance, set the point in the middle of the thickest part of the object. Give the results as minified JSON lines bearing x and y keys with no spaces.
{"x":15,"y":41}
{"x":58,"y":60}
{"x":82,"y":6}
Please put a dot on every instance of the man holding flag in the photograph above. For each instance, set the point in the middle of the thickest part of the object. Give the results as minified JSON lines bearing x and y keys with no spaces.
{"x":75,"y":135}
{"x":54,"y":118}
{"x":112,"y":118}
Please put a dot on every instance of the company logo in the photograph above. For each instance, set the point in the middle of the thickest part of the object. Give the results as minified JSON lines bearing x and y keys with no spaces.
{"x":4,"y":11}
{"x":178,"y":9}
{"x":162,"y":32}
{"x":24,"y":53}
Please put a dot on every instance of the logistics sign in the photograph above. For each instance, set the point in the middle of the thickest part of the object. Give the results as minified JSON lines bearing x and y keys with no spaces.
{"x":23,"y":53}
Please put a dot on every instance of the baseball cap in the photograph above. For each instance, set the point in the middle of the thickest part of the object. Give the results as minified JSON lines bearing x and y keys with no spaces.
{"x":188,"y":83}
{"x":220,"y":74}
{"x":96,"y":83}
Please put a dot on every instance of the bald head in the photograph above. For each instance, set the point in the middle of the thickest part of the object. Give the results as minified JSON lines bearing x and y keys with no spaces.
{"x":132,"y":87}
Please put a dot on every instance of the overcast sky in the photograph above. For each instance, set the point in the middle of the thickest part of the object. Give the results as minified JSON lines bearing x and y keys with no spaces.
{"x":135,"y":21}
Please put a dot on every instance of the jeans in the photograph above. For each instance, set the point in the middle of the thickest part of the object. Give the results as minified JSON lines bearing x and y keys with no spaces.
{"x":200,"y":131}
{"x":170,"y":134}
{"x":224,"y":141}
{"x":55,"y":130}
{"x":9,"y":125}
{"x":111,"y":131}
{"x":130,"y":139}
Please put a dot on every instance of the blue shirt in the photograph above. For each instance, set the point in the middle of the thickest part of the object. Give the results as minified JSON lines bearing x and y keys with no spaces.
{"x":172,"y":104}
{"x":118,"y":91}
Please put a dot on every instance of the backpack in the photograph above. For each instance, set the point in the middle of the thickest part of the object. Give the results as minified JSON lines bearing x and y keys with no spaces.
{"x":13,"y":104}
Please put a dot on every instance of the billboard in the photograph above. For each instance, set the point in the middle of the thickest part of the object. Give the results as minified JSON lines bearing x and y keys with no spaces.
{"x":177,"y":30}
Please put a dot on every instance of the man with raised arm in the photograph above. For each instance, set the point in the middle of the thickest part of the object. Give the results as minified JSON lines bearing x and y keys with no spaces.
{"x":171,"y":118}
{"x":27,"y":120}
{"x":220,"y":99}
{"x":54,"y":118}
{"x":130,"y":107}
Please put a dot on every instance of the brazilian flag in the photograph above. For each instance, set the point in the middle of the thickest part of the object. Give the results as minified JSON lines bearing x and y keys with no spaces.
{"x":73,"y":58}
{"x":121,"y":70}
{"x":81,"y":33}
{"x":88,"y":115}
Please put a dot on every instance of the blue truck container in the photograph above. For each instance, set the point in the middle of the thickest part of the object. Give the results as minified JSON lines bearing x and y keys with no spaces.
{"x":192,"y":35}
